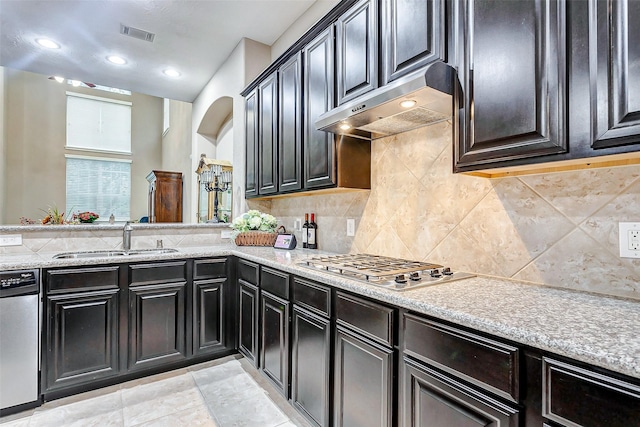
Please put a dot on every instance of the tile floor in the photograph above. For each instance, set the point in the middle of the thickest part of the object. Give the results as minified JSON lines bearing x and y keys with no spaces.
{"x":228,"y":392}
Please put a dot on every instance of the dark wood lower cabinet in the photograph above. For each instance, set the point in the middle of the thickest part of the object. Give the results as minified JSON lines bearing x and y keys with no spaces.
{"x":433,"y":399}
{"x":310,"y":361}
{"x":575,"y":396}
{"x":248,"y":327}
{"x":363,"y":382}
{"x":274,"y":340}
{"x":208,"y":315}
{"x":156,"y":324}
{"x":82,"y":338}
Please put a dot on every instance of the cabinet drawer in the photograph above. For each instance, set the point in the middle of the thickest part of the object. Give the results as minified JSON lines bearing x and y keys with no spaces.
{"x":368,"y":318}
{"x":209,"y":268}
{"x":479,"y":360}
{"x":141,"y":274}
{"x":82,"y":279}
{"x":312,"y":296}
{"x":248,"y":271}
{"x":575,"y":396}
{"x":275,"y":282}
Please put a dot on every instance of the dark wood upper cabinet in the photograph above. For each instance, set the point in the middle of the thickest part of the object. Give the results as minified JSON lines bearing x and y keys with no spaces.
{"x":251,"y":143}
{"x":357,"y":50}
{"x":268,"y":135}
{"x":615,"y":67}
{"x":411,"y":36}
{"x":512,"y":72}
{"x":165,"y":196}
{"x":290,"y":125}
{"x":319,"y":147}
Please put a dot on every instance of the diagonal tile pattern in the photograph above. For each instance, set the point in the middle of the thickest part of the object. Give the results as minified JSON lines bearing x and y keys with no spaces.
{"x":557,"y":229}
{"x":222,"y":393}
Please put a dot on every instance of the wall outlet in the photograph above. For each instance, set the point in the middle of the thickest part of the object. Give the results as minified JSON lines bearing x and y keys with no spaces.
{"x":11,"y":240}
{"x":225,"y":234}
{"x":351,"y":227}
{"x":297,"y":224}
{"x":629,"y":233}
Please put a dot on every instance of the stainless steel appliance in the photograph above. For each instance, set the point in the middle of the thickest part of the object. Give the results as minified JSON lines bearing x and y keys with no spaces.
{"x":418,"y":99}
{"x":19,"y":337}
{"x":390,"y":273}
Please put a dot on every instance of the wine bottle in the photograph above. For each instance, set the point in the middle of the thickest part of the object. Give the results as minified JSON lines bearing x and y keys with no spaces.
{"x":312,"y":241}
{"x":305,"y":231}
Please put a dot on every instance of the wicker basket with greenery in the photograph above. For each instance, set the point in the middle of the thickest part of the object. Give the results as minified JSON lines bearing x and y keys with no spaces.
{"x":255,"y":228}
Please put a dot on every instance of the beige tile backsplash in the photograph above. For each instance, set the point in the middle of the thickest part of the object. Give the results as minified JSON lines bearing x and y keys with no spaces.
{"x":556,"y":229}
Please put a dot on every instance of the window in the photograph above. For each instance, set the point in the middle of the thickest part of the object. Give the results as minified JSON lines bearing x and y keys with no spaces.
{"x":99,"y":185}
{"x":98,"y":124}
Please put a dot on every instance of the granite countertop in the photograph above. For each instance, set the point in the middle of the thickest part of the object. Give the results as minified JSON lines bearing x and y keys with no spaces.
{"x":599,"y":330}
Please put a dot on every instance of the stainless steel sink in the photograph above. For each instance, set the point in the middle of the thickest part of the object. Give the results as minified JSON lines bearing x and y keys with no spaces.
{"x":89,"y":254}
{"x":108,"y":254}
{"x":152,"y":251}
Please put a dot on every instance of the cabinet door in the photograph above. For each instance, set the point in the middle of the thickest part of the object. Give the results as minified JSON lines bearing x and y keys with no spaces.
{"x":310,"y":357}
{"x":82,"y":338}
{"x":357,"y":50}
{"x":615,"y":60}
{"x":412,"y":36}
{"x":290,"y":135}
{"x":248,"y":339}
{"x":251,"y":123}
{"x":512,"y":71}
{"x":432,"y":399}
{"x":268,"y":135}
{"x":363,"y":382}
{"x":274,"y":341}
{"x":208,"y":316}
{"x":319,"y":147}
{"x":156,"y":325}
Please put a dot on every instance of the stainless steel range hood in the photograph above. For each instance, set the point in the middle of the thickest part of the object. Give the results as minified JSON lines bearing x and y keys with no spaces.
{"x":416,"y":100}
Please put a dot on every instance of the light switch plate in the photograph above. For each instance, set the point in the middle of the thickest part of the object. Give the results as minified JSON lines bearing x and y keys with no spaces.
{"x":629,"y":233}
{"x":11,"y":240}
{"x":225,"y":234}
{"x":297,"y":224}
{"x":351,"y":227}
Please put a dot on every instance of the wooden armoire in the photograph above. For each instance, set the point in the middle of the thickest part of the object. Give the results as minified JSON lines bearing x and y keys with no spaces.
{"x":165,"y":196}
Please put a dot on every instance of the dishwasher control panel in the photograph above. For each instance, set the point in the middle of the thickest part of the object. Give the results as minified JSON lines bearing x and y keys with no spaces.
{"x":22,"y":282}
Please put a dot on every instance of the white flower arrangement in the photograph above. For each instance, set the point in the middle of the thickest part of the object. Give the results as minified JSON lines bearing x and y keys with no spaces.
{"x":254,"y":220}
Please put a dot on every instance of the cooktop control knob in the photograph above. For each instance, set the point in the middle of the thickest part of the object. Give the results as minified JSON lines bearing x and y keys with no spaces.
{"x":447,"y":271}
{"x":415,"y":276}
{"x":401,"y":278}
{"x":435,"y":273}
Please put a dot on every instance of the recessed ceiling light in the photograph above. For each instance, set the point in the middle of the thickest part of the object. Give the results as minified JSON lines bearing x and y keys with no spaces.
{"x":408,"y":103}
{"x":345,"y":126}
{"x":171,"y":72}
{"x":115,"y":59}
{"x":50,"y":44}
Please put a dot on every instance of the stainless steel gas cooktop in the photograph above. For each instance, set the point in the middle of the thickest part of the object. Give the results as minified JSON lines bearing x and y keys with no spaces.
{"x":391,"y":273}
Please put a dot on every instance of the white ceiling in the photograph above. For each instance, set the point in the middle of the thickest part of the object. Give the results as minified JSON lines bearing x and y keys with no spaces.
{"x":194,"y":37}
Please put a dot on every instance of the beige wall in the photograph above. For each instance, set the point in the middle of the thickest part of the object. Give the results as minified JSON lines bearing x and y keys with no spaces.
{"x":176,"y":148}
{"x":35,"y":113}
{"x":246,"y":61}
{"x":556,"y":229}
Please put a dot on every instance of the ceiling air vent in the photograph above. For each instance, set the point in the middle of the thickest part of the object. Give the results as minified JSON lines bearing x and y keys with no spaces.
{"x":136,"y":33}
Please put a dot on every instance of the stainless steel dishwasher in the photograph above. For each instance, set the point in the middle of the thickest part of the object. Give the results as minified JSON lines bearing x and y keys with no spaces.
{"x":20,"y":310}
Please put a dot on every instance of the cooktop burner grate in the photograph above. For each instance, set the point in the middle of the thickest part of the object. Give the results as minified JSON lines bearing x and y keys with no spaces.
{"x":391,"y":273}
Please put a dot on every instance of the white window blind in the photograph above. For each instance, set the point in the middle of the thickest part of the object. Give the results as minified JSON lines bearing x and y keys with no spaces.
{"x":99,"y":124}
{"x":99,"y":185}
